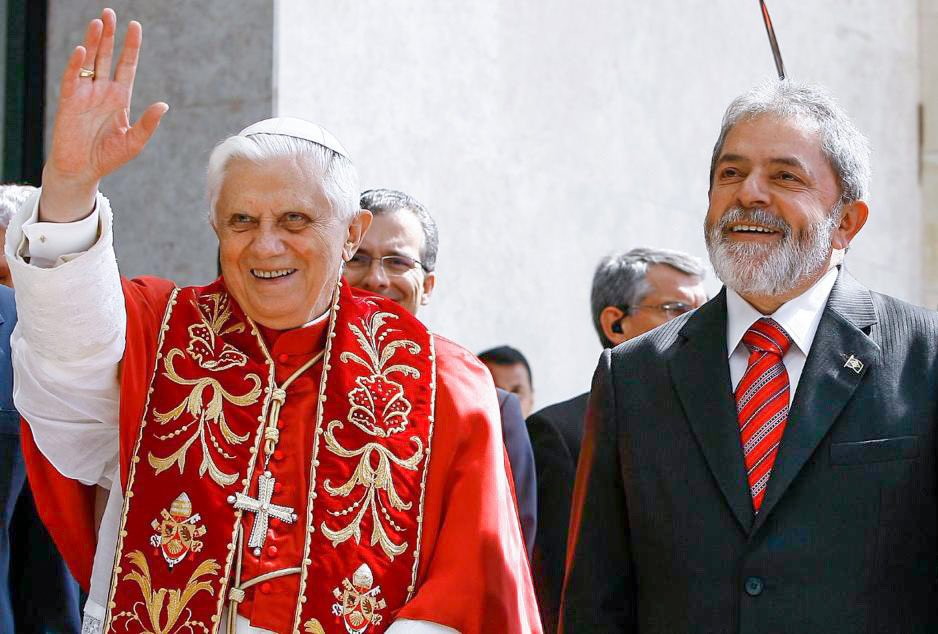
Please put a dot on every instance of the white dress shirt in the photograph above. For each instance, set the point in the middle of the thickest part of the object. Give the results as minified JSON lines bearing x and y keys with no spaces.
{"x":66,"y":348}
{"x":799,"y":317}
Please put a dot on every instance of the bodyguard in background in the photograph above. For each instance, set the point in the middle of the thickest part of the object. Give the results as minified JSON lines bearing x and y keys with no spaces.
{"x":632,"y":293}
{"x":767,"y":463}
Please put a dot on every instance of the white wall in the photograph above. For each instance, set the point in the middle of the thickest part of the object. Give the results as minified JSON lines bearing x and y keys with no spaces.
{"x":545,"y":134}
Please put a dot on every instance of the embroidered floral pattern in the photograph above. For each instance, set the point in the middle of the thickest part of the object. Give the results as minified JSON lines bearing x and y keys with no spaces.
{"x":205,"y":344}
{"x":380,"y":409}
{"x":378,"y":404}
{"x":164,"y":611}
{"x":206,"y":417}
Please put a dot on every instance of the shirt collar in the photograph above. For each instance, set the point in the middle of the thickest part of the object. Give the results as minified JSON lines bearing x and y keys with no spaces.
{"x":799,"y":317}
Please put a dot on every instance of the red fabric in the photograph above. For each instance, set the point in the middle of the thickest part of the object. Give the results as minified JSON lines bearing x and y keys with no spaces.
{"x":762,"y":398}
{"x":270,"y":605}
{"x":65,"y":506}
{"x":473,"y":575}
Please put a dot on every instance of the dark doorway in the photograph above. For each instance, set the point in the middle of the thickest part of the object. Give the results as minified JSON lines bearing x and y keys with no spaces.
{"x":24,"y":87}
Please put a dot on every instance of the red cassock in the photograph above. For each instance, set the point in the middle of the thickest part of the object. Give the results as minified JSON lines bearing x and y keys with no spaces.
{"x":379,"y":527}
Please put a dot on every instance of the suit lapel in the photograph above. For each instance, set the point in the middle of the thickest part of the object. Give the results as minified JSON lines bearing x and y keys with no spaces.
{"x":700,"y":374}
{"x":831,"y":375}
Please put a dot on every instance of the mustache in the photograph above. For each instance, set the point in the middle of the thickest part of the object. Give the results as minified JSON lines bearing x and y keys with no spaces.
{"x":757,"y":216}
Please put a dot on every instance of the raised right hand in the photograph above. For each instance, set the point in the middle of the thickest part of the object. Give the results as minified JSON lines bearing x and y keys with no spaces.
{"x":92,"y":135}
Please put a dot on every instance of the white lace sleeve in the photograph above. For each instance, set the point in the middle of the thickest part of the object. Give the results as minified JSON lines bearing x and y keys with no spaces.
{"x":69,"y":339}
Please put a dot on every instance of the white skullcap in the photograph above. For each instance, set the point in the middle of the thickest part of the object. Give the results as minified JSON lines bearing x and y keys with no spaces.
{"x":297,"y":128}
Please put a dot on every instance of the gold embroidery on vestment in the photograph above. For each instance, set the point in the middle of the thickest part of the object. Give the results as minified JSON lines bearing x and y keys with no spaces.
{"x":179,"y":531}
{"x":313,"y":626}
{"x":214,"y":311}
{"x":380,"y":409}
{"x":205,"y":416}
{"x":125,"y":511}
{"x":359,"y":601}
{"x":153,"y":601}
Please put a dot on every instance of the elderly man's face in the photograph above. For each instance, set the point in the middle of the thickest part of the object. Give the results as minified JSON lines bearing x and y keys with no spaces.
{"x":280,"y":241}
{"x":774,"y":215}
{"x":400,"y":234}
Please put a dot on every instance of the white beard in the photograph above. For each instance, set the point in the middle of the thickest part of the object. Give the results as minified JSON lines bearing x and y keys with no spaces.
{"x":767,"y":269}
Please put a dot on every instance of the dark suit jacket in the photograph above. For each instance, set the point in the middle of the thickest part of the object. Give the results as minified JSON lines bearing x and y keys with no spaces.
{"x":664,"y":535}
{"x":556,"y":432}
{"x":521,"y":461}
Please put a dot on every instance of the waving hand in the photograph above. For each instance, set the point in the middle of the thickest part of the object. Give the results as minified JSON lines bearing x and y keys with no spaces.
{"x":92,"y":135}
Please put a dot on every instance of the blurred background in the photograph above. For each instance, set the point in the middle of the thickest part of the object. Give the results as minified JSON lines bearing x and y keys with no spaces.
{"x":541,"y":135}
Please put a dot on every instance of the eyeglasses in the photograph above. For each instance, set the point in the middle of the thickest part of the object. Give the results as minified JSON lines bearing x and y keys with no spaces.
{"x":393,"y":265}
{"x":671,"y":309}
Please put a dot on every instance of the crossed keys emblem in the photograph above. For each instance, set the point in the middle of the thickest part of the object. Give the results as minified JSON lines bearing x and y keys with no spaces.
{"x":359,"y":602}
{"x":179,"y":531}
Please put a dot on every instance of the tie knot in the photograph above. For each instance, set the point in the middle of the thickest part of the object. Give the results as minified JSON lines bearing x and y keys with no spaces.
{"x":765,"y":335}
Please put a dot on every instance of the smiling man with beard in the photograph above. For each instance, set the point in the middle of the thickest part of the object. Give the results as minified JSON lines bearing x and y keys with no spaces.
{"x":767,"y":462}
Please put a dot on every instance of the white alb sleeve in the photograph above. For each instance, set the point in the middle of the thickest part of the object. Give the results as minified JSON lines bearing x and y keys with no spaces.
{"x":69,"y":338}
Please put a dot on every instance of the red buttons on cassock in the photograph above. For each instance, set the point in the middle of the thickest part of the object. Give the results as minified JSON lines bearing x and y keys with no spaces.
{"x":271,"y":551}
{"x":283,"y":358}
{"x":278,"y":455}
{"x":265,"y":588}
{"x":277,"y":487}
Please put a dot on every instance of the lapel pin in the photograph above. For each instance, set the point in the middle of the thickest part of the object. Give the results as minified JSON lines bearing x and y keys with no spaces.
{"x":854,"y":364}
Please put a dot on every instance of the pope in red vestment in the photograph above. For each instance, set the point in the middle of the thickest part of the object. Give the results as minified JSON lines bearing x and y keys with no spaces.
{"x":282,"y":454}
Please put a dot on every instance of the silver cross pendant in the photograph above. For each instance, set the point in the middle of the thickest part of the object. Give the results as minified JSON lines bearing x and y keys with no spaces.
{"x":263,"y":510}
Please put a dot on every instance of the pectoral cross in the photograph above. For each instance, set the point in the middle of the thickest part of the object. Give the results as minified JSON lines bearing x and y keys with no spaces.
{"x":263,"y":510}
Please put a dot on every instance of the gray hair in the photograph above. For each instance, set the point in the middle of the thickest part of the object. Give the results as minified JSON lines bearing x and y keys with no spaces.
{"x":339,"y":176}
{"x":845,"y":147}
{"x":12,"y":198}
{"x":620,"y":279}
{"x":383,"y":201}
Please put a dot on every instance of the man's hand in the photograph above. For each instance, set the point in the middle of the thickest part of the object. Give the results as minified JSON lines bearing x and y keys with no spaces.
{"x":92,"y":135}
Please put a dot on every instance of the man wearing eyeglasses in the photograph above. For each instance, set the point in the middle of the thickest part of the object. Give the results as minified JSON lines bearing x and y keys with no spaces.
{"x":398,"y":255}
{"x":632,"y":293}
{"x":396,"y":259}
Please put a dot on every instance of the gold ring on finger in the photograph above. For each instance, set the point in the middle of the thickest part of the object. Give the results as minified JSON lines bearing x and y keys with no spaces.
{"x":86,"y":72}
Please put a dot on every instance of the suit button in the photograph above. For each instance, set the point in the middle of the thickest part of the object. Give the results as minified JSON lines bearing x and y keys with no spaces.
{"x":265,"y":588}
{"x":754,"y":586}
{"x":271,"y":551}
{"x":283,"y":357}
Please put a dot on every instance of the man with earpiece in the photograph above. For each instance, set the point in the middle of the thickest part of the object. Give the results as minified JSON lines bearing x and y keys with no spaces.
{"x":632,"y":293}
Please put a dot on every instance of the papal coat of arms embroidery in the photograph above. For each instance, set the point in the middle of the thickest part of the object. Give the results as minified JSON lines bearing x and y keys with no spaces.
{"x":359,"y":601}
{"x":179,"y":531}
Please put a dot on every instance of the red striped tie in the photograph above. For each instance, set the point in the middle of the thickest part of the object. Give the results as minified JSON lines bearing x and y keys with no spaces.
{"x":762,"y":402}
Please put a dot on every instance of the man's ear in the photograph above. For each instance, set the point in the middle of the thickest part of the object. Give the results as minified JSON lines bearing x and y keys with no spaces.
{"x":853,"y":218}
{"x":613,"y":322}
{"x":356,"y":231}
{"x":429,"y":282}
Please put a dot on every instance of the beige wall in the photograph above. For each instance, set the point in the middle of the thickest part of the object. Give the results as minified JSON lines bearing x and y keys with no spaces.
{"x":928,"y":39}
{"x":543,"y":135}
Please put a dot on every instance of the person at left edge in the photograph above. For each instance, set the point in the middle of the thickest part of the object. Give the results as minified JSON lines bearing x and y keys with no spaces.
{"x":282,"y":453}
{"x":397,"y":259}
{"x":37,"y":593}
